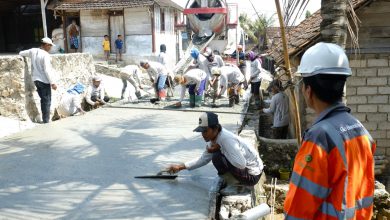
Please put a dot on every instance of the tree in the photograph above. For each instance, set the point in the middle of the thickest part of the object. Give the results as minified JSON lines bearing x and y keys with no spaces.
{"x":256,"y":30}
{"x":334,"y":21}
{"x":307,"y":14}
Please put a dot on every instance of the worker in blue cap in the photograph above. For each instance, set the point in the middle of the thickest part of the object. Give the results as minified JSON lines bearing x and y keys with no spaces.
{"x":70,"y":103}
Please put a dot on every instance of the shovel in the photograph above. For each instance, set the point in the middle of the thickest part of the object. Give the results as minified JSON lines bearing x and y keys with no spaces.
{"x":159,"y":175}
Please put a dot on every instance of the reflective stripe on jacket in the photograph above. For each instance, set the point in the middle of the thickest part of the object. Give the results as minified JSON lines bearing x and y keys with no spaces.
{"x":333,"y":175}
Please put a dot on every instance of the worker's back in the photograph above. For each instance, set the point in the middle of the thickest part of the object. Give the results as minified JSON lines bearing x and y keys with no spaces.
{"x":333,"y":174}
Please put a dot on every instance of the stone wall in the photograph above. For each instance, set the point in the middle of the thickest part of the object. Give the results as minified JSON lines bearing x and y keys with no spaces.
{"x":18,"y":97}
{"x":12,"y":87}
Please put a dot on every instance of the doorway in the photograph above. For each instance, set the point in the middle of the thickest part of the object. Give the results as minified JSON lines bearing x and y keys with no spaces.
{"x":116,"y":28}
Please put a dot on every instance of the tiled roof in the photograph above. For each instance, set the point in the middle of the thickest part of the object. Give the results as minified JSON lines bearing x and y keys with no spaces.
{"x":100,"y":4}
{"x":303,"y":36}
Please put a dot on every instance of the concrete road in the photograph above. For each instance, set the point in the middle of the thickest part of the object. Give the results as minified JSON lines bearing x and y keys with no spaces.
{"x":83,"y":167}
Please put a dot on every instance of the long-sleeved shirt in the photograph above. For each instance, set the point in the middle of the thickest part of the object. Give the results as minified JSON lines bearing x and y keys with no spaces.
{"x":131,"y":72}
{"x":333,"y":175}
{"x":41,"y":65}
{"x":99,"y":92}
{"x":69,"y":104}
{"x":201,"y":63}
{"x":156,"y":69}
{"x":217,"y":62}
{"x":239,"y":153}
{"x":255,"y":71}
{"x":162,"y":58}
{"x":192,"y":77}
{"x":230,"y":75}
{"x":280,"y":109}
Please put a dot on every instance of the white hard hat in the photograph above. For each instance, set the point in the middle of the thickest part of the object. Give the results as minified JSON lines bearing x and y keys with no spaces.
{"x":324,"y":58}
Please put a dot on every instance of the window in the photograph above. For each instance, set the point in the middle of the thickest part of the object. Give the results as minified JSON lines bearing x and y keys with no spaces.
{"x":162,"y":20}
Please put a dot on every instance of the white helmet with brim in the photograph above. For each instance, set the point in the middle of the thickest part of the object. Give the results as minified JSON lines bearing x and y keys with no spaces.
{"x":324,"y":58}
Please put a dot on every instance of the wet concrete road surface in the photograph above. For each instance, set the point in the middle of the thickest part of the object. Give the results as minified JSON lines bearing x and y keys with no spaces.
{"x":83,"y":167}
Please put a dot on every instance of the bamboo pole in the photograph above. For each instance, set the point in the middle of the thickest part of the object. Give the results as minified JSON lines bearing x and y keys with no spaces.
{"x":288,"y":73}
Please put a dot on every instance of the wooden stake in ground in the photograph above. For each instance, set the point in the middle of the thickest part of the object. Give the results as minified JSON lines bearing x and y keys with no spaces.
{"x":288,"y":73}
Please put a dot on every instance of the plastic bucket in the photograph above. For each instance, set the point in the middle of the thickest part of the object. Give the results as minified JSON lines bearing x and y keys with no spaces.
{"x":284,"y":173}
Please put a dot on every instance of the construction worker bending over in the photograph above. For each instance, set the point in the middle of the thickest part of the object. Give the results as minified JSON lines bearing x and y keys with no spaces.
{"x":70,"y":103}
{"x":131,"y":73}
{"x":279,"y":107}
{"x":333,"y":175}
{"x":212,"y":61}
{"x":255,"y":78}
{"x":230,"y":78}
{"x":96,"y":95}
{"x":236,"y":161}
{"x":158,"y":75}
{"x":195,"y":80}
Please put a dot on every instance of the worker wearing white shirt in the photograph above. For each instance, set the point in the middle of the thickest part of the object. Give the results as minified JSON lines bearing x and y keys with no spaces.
{"x":255,"y":76}
{"x":42,"y":74}
{"x":235,"y":160}
{"x":70,"y":103}
{"x":131,"y":73}
{"x":158,"y":75}
{"x":195,"y":80}
{"x":231,"y":78}
{"x":95,"y":95}
{"x":279,"y":107}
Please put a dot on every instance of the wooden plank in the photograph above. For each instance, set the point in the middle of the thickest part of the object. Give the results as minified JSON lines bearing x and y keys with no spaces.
{"x":376,"y":7}
{"x":137,"y":21}
{"x":374,"y":42}
{"x":376,"y":20}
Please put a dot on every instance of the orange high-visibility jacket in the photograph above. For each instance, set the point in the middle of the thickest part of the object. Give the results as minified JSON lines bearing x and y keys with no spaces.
{"x":333,"y":176}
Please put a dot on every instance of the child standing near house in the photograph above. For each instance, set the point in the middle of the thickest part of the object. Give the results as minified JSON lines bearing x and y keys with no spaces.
{"x":106,"y":47}
{"x":118,"y":47}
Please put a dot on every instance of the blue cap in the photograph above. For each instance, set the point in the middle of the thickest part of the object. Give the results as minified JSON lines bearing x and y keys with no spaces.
{"x":195,"y":53}
{"x":78,"y":88}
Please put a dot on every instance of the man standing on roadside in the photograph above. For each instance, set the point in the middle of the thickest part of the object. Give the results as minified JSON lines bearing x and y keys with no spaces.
{"x":333,"y":176}
{"x":42,"y":74}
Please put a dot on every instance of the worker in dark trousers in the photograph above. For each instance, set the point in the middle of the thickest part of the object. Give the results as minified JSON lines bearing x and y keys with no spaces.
{"x":237,"y":162}
{"x":279,"y":108}
{"x":195,"y":81}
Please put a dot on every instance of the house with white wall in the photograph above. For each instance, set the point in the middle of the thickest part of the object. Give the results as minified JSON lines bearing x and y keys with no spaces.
{"x":144,"y":25}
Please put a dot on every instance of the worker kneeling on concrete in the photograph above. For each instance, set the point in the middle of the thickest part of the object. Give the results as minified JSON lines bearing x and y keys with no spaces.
{"x":230,"y":79}
{"x":131,"y":73}
{"x":70,"y":103}
{"x":158,"y":75}
{"x":236,"y":161}
{"x":333,"y":175}
{"x":96,"y":94}
{"x":195,"y":81}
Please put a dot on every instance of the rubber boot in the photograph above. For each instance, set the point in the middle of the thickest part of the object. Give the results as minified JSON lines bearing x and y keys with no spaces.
{"x":198,"y":100}
{"x":138,"y":94}
{"x":231,"y":101}
{"x":162,"y":94}
{"x":237,"y":99}
{"x":192,"y":101}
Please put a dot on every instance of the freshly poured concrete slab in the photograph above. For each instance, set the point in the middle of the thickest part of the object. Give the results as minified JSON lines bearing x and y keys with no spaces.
{"x":82,"y":167}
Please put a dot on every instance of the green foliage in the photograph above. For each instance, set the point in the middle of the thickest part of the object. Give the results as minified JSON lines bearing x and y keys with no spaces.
{"x":307,"y":14}
{"x":255,"y":29}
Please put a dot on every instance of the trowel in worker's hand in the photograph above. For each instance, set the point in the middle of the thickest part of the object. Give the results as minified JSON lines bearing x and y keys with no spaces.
{"x":160,"y":175}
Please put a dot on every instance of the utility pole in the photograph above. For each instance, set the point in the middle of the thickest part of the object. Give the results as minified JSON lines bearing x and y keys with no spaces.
{"x":43,"y":10}
{"x":288,"y":73}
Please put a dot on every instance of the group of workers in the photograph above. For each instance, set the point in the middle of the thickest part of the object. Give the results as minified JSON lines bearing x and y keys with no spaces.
{"x":333,"y":173}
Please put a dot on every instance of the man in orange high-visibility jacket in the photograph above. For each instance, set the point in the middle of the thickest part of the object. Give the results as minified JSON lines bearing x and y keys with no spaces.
{"x":333,"y":176}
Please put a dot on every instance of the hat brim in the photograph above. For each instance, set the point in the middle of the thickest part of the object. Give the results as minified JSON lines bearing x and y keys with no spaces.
{"x":200,"y":129}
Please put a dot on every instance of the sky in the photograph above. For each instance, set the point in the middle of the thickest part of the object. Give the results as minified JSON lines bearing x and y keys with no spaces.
{"x":266,"y":7}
